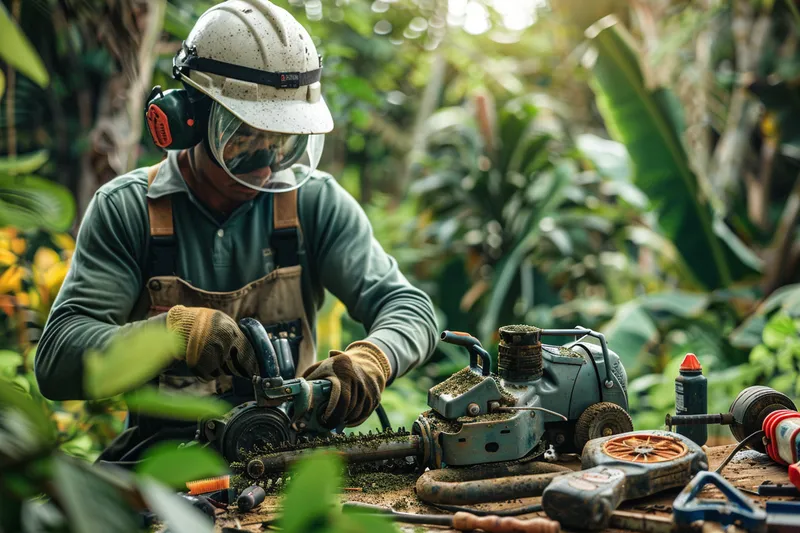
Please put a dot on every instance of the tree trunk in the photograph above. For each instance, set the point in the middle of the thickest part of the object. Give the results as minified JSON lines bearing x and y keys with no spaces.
{"x":130,"y":33}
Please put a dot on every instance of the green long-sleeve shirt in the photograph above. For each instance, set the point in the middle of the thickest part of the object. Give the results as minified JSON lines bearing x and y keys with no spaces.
{"x":340,"y":254}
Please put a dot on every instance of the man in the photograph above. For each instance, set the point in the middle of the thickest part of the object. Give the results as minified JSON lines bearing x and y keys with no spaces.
{"x":236,"y":222}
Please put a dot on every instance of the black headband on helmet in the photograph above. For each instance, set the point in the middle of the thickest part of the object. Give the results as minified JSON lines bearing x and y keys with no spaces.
{"x":187,"y":58}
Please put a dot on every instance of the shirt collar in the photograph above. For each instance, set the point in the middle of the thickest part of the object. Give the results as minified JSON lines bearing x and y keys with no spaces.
{"x":168,"y":179}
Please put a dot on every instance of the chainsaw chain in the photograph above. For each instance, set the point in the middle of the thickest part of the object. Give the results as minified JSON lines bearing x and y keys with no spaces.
{"x":335,"y":440}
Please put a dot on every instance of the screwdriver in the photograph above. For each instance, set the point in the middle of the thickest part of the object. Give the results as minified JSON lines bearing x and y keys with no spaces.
{"x":461,"y":521}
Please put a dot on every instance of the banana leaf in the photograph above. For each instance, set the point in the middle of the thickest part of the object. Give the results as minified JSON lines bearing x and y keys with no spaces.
{"x":17,"y":52}
{"x":24,"y":164}
{"x":648,"y":123}
{"x":29,"y":202}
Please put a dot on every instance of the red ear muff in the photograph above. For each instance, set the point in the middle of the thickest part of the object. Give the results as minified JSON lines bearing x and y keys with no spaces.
{"x":158,"y":123}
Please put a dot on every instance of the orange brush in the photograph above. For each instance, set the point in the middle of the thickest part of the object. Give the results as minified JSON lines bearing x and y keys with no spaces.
{"x":212,"y":484}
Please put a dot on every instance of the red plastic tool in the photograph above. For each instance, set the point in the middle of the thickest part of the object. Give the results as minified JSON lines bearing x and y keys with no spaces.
{"x":782,"y":434}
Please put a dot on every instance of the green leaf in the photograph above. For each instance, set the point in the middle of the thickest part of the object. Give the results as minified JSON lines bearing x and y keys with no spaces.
{"x":778,"y":331}
{"x":90,"y":503}
{"x":784,"y":383}
{"x":17,"y":51}
{"x":30,"y":202}
{"x":178,"y":513}
{"x":174,"y":466}
{"x":763,"y":358}
{"x":177,"y":23}
{"x":363,"y":523}
{"x":630,"y":332}
{"x":357,"y":87}
{"x":150,"y":401}
{"x":735,"y":244}
{"x":81,"y":446}
{"x":39,"y":427}
{"x":610,"y":158}
{"x":646,"y":123}
{"x":130,"y":361}
{"x":748,"y":334}
{"x":10,"y":361}
{"x":2,"y":83}
{"x":313,"y":491}
{"x":24,"y":164}
{"x":679,"y":303}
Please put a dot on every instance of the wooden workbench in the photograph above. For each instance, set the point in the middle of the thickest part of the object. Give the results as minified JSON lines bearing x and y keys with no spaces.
{"x":747,"y":470}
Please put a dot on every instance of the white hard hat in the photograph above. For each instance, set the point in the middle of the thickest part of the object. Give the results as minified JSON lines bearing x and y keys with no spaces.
{"x":259,"y":63}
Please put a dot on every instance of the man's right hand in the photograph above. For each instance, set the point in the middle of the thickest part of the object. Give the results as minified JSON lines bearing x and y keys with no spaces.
{"x":214,"y":343}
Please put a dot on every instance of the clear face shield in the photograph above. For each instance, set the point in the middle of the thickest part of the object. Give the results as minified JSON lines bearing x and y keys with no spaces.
{"x":262,"y":160}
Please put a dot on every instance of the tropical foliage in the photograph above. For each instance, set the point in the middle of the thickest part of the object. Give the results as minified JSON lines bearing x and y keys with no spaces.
{"x":628,"y":166}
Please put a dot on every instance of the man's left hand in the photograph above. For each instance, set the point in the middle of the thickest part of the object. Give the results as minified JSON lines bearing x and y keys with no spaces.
{"x":358,"y":376}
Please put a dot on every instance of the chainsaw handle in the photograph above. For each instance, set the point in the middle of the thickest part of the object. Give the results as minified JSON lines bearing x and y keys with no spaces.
{"x":262,"y":347}
{"x":474,"y":348}
{"x":609,"y":383}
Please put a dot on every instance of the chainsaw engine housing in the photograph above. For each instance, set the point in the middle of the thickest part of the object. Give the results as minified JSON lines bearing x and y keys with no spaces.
{"x":536,"y":400}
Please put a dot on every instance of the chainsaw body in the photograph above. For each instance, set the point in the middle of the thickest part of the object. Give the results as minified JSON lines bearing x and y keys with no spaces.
{"x":540,"y":396}
{"x":535,"y":400}
{"x":284,"y":409}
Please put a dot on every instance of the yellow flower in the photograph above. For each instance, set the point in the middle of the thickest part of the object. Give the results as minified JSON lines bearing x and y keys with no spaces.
{"x":18,"y":246}
{"x":23,"y":300}
{"x":8,"y":233}
{"x":7,"y":258}
{"x":11,"y":280}
{"x":72,"y":406}
{"x":34,"y":299}
{"x":45,"y":258}
{"x":63,"y":420}
{"x":7,"y":304}
{"x":770,"y":126}
{"x":54,"y":277}
{"x":64,"y":241}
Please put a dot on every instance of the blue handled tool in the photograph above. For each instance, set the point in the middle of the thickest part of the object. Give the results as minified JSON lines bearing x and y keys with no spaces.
{"x":738,"y":509}
{"x":783,"y":517}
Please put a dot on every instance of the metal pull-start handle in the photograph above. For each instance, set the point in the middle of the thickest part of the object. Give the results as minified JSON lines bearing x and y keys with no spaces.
{"x":474,"y":348}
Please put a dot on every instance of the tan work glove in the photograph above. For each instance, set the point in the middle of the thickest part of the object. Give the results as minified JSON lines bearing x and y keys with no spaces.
{"x":214,"y":343}
{"x":358,"y":376}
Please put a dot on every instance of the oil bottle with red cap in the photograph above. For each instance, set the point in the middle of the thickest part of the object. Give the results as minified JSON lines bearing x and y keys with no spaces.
{"x":691,"y":397}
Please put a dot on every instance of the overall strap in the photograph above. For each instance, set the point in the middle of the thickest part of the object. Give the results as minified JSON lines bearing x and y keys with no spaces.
{"x":163,"y":256}
{"x":285,"y":238}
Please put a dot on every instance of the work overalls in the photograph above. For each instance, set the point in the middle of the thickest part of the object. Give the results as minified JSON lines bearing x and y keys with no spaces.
{"x":275,"y":300}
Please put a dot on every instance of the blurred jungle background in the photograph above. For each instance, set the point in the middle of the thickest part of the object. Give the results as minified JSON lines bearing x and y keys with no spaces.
{"x":625,"y":165}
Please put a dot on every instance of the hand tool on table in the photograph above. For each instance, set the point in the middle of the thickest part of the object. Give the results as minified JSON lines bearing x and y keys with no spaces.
{"x":461,"y":521}
{"x":778,"y":489}
{"x":783,"y":517}
{"x":642,"y":522}
{"x":250,"y":498}
{"x":541,"y":396}
{"x":618,"y":468}
{"x":746,"y":415}
{"x":782,"y":441}
{"x":738,"y":509}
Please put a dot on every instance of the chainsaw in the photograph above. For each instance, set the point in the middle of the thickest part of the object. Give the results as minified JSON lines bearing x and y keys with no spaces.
{"x":541,"y":398}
